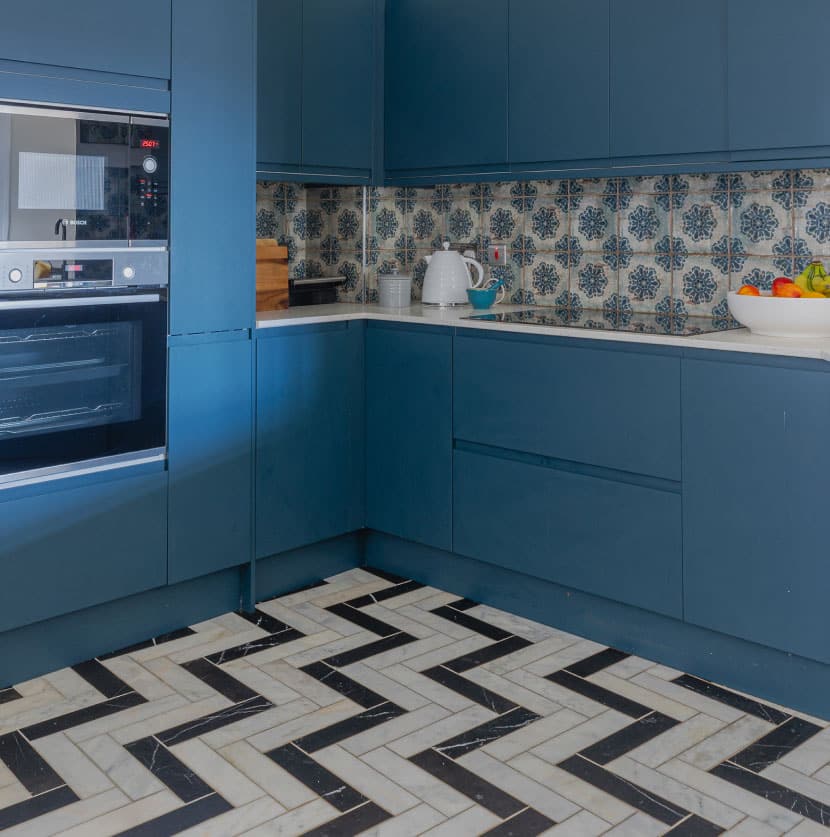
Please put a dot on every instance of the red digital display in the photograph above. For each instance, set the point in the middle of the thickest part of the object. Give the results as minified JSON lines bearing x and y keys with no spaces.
{"x":150,"y":143}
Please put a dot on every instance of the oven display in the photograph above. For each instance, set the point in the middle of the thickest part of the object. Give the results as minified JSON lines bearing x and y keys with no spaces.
{"x":84,"y":273}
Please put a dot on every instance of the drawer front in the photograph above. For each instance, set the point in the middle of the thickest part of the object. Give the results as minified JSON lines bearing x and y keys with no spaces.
{"x":616,"y":540}
{"x":72,"y":549}
{"x":608,"y":408}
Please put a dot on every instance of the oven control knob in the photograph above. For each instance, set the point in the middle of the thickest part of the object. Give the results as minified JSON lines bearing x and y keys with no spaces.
{"x":15,"y":275}
{"x":150,"y":165}
{"x":128,"y":273}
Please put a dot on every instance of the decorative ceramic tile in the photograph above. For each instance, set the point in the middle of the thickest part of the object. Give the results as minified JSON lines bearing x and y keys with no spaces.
{"x":700,"y":223}
{"x":759,"y":223}
{"x":699,"y":285}
{"x":593,"y":223}
{"x":645,"y":283}
{"x":545,"y":224}
{"x":545,"y":279}
{"x":812,"y":223}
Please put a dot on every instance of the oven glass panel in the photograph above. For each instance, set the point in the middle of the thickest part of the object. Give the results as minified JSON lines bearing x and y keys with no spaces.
{"x":80,"y":383}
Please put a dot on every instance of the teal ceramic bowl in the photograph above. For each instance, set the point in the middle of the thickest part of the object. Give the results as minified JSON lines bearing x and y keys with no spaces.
{"x":482,"y":298}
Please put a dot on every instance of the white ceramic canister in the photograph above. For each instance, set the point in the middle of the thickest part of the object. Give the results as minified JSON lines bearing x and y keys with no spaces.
{"x":395,"y":290}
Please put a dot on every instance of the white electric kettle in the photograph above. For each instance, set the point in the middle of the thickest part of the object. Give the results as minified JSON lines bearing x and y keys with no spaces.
{"x":448,"y":277}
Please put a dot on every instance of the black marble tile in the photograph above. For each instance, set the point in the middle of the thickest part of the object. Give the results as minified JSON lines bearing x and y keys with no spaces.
{"x":176,"y":775}
{"x":492,"y":730}
{"x":313,"y":775}
{"x":28,"y":766}
{"x":470,"y":622}
{"x":36,"y":807}
{"x":597,"y":662}
{"x":488,"y":654}
{"x":386,"y":576}
{"x":463,"y":604}
{"x":468,"y":783}
{"x":356,"y":821}
{"x":695,"y":826}
{"x":633,"y":795}
{"x":733,"y":699}
{"x":350,"y":726}
{"x":385,"y":594}
{"x":102,"y":679}
{"x":216,"y":720}
{"x":370,"y":649}
{"x":150,"y":643}
{"x":83,"y":716}
{"x":174,"y":822}
{"x":468,"y":689}
{"x":796,"y":802}
{"x":627,"y":739}
{"x":8,"y":695}
{"x":774,"y":745}
{"x":254,"y":647}
{"x":604,"y":696}
{"x":358,"y":617}
{"x":527,"y":824}
{"x":264,"y":621}
{"x":219,"y":680}
{"x":344,"y":685}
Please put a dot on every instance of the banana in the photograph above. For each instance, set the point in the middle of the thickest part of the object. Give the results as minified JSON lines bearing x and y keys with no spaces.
{"x":814,"y":279}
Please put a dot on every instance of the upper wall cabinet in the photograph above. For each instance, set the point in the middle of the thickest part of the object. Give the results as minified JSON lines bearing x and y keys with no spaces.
{"x":778,"y":103}
{"x":130,"y":39}
{"x":316,"y":70}
{"x":665,"y":101}
{"x":559,"y":96}
{"x":446,"y":87}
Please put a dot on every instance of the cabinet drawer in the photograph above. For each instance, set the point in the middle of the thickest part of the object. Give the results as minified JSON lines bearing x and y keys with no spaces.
{"x":616,"y":540}
{"x":604,"y":407}
{"x":75,"y":548}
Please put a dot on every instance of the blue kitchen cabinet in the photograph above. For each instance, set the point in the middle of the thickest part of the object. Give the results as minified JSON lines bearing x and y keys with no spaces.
{"x":556,"y":124}
{"x":212,"y":281}
{"x":310,"y":451}
{"x":446,"y":88}
{"x":80,"y":542}
{"x":409,"y":432}
{"x":755,"y":483}
{"x":664,"y":106}
{"x":778,"y":102}
{"x":211,"y":454}
{"x":127,"y":39}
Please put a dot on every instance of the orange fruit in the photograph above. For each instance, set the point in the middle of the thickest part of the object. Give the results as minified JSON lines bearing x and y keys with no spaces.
{"x":749,"y":290}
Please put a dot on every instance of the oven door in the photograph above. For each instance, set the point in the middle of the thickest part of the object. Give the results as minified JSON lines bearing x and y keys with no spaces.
{"x":82,"y":383}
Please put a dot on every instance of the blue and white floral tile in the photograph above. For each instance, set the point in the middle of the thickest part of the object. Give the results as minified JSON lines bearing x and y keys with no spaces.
{"x":821,"y":178}
{"x":545,"y":279}
{"x":503,"y":222}
{"x":759,"y":223}
{"x":644,"y":283}
{"x":592,"y":185}
{"x":791,"y":254}
{"x":524,"y":197}
{"x":593,"y":223}
{"x":418,"y":270}
{"x":349,"y":224}
{"x":812,"y":223}
{"x":593,"y":283}
{"x":463,"y":225}
{"x":386,"y":221}
{"x":479,"y":201}
{"x":758,"y":271}
{"x":758,"y":181}
{"x":545,"y":225}
{"x":700,"y":182}
{"x":443,"y":198}
{"x":700,"y":223}
{"x":643,"y":223}
{"x":700,"y":286}
{"x":424,"y":224}
{"x":288,"y":198}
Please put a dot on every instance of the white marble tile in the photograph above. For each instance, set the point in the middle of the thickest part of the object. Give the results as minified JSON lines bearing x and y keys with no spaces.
{"x":448,"y":727}
{"x":629,"y":667}
{"x":432,"y":691}
{"x":181,"y":680}
{"x":296,"y":822}
{"x":72,"y":686}
{"x":439,"y":598}
{"x":573,"y":653}
{"x":810,"y":756}
{"x":725,"y":743}
{"x":121,"y":768}
{"x":415,"y":821}
{"x":637,"y":825}
{"x":664,"y":672}
{"x":395,"y":729}
{"x":583,"y":824}
{"x":445,"y":653}
{"x":336,"y":646}
{"x":187,"y":645}
{"x":72,"y":765}
{"x":531,"y":653}
{"x":512,"y":691}
{"x":329,"y":621}
{"x":166,"y":720}
{"x":279,"y":610}
{"x":214,"y":646}
{"x":327,"y":599}
{"x":127,"y":718}
{"x":807,"y":828}
{"x":303,"y":684}
{"x":298,"y":727}
{"x":750,"y":827}
{"x":259,"y":722}
{"x":404,"y":653}
{"x":398,"y":619}
{"x":139,"y":678}
{"x":263,"y":684}
{"x":518,"y":625}
{"x":391,"y":689}
{"x":415,"y":597}
{"x":809,"y":786}
{"x":700,"y":703}
{"x":475,"y":820}
{"x":512,"y":745}
{"x":640,"y":694}
{"x":237,"y":821}
{"x":6,"y":776}
{"x":677,"y":740}
{"x":12,"y":794}
{"x":556,"y":693}
{"x":577,"y":738}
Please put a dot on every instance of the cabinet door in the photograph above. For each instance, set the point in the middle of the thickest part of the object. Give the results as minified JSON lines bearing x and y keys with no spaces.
{"x":210,"y":437}
{"x":133,"y":39}
{"x":446,"y":84}
{"x":553,"y":119}
{"x":661,"y":104}
{"x":409,"y":433}
{"x":337,"y":85}
{"x":80,"y":544}
{"x":777,"y":101}
{"x":309,"y":435}
{"x":279,"y":82}
{"x":756,"y":475}
{"x":213,"y":162}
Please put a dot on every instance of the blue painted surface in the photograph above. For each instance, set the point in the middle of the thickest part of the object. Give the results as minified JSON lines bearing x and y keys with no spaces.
{"x":662,"y":104}
{"x":446,"y":85}
{"x":616,"y":540}
{"x":83,"y":545}
{"x":784,"y":678}
{"x":210,"y":432}
{"x":610,"y":407}
{"x":310,"y":445}
{"x":553,"y":121}
{"x":213,"y":207}
{"x":409,"y":432}
{"x":755,"y":474}
{"x":129,"y":38}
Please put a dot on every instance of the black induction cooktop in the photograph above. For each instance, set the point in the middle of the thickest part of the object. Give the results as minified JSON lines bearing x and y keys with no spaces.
{"x":679,"y":325}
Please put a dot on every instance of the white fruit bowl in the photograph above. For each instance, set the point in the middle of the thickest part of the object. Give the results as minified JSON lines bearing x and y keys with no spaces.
{"x":770,"y":316}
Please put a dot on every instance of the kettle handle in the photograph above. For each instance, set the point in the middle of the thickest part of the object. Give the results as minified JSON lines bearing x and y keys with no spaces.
{"x":479,"y":270}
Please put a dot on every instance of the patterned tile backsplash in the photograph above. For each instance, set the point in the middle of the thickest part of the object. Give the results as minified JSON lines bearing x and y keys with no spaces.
{"x":672,"y":244}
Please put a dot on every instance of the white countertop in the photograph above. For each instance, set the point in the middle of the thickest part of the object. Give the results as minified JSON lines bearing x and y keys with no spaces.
{"x":727,"y":341}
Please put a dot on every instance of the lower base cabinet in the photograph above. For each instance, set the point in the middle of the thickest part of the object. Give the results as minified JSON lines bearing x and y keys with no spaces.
{"x":75,"y":547}
{"x":211,"y":423}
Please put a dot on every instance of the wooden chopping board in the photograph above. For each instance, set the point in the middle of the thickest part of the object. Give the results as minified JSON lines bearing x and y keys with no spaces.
{"x":271,"y":275}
